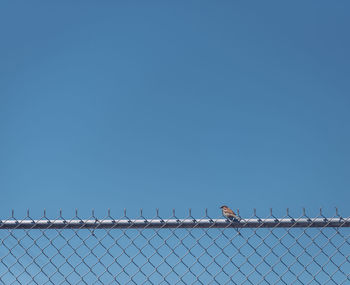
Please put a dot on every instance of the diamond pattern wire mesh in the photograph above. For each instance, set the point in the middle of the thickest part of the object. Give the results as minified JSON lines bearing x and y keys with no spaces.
{"x":210,"y":254}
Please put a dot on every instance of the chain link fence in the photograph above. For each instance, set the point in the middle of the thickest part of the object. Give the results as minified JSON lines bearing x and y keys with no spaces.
{"x":255,"y":250}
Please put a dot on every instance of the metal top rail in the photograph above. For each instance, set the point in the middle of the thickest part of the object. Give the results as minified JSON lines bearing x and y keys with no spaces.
{"x":175,"y":223}
{"x":157,"y":223}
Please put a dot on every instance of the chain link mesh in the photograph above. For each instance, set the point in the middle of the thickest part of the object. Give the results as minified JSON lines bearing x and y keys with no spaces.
{"x":179,"y":255}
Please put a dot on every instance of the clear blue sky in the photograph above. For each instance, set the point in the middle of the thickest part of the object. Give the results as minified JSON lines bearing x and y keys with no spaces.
{"x":174,"y":104}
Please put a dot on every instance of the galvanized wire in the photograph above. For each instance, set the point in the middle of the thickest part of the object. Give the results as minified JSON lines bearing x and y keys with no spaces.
{"x":173,"y":250}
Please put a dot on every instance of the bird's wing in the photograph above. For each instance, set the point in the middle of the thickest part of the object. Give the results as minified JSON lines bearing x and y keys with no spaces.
{"x":230,"y":212}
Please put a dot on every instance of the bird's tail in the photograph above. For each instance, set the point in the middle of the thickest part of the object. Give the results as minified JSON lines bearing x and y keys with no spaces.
{"x":238,"y":219}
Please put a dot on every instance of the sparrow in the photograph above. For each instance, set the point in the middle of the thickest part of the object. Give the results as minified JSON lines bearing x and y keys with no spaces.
{"x":229,"y":214}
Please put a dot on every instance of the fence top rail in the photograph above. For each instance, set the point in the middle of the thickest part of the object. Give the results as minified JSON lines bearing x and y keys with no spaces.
{"x":175,"y":223}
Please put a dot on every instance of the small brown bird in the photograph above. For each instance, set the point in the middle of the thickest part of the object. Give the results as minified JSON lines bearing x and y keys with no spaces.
{"x":229,"y":214}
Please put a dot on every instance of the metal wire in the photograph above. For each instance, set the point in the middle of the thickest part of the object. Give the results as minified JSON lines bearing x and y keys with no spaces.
{"x":271,"y":250}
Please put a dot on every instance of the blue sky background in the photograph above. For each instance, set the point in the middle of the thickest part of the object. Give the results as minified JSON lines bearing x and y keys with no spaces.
{"x":174,"y":104}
